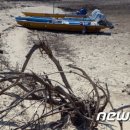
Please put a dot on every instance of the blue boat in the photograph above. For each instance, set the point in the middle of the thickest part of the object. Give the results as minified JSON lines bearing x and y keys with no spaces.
{"x":52,"y":20}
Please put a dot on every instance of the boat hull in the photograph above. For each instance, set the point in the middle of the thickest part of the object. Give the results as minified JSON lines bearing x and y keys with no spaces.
{"x":59,"y":27}
{"x":51,"y":15}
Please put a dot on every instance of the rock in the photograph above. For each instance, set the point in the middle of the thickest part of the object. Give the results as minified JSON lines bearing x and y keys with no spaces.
{"x":1,"y":51}
{"x":127,"y":89}
{"x":11,"y":16}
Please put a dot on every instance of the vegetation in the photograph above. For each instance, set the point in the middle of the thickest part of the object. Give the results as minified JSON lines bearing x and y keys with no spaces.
{"x":22,"y":86}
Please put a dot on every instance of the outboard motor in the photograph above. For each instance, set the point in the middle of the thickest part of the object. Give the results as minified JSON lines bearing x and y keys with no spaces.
{"x":82,"y":11}
{"x":109,"y":24}
{"x":100,"y":18}
{"x":95,"y":12}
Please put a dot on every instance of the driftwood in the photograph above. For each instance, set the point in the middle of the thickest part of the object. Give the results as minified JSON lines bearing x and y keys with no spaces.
{"x":61,"y":98}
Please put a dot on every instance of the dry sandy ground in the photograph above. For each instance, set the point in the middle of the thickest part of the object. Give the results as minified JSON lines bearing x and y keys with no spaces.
{"x":104,"y":57}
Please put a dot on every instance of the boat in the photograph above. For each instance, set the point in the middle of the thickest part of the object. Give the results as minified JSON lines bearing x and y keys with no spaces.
{"x":79,"y":14}
{"x":33,"y":14}
{"x":95,"y":15}
{"x":62,"y":25}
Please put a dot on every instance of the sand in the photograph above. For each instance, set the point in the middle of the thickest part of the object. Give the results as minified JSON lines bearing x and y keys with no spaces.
{"x":105,"y":57}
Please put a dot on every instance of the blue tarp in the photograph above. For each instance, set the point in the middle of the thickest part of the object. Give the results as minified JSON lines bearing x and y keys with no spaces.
{"x":82,"y":11}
